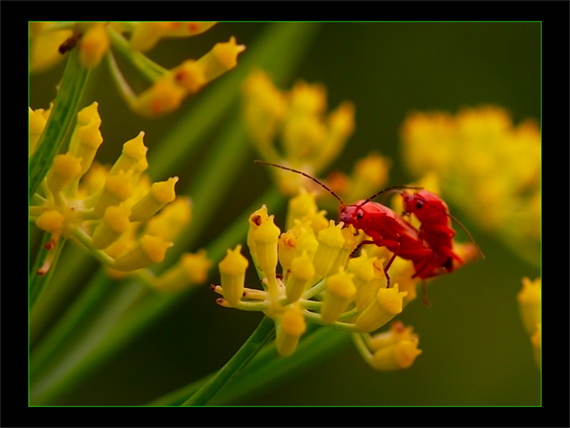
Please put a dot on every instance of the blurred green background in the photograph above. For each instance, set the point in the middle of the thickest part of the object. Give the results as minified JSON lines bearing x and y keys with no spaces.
{"x":475,"y":350}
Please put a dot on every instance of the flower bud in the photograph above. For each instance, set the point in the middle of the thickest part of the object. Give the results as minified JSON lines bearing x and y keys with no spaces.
{"x":134,"y":151}
{"x":64,"y":169}
{"x":339,"y":293}
{"x":287,"y":250}
{"x":50,"y":221}
{"x":255,"y":220}
{"x":160,"y":194}
{"x":366,"y":279}
{"x":331,"y":241}
{"x":347,"y":248}
{"x":398,"y":356}
{"x":232,"y":273}
{"x":387,"y":304}
{"x":117,"y":189}
{"x":114,"y":223}
{"x":171,"y":220}
{"x":221,"y":58}
{"x":149,"y":250}
{"x":302,"y":271}
{"x":93,"y":45}
{"x":397,"y":333}
{"x":299,"y":206}
{"x":191,"y":269}
{"x":305,"y":240}
{"x":190,"y":75}
{"x":266,"y":238}
{"x":36,"y":123}
{"x":290,"y":327}
{"x":529,"y":299}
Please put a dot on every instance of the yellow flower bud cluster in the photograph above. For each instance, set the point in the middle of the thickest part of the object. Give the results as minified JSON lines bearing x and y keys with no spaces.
{"x":116,"y":212}
{"x":317,"y":281}
{"x":394,"y":349}
{"x":292,"y":125}
{"x":168,"y":92}
{"x":147,"y":34}
{"x":530,"y":304}
{"x":50,"y":42}
{"x":487,"y":166}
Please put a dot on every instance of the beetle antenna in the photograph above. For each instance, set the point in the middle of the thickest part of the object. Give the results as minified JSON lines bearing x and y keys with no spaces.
{"x":304,"y":175}
{"x":388,"y":189}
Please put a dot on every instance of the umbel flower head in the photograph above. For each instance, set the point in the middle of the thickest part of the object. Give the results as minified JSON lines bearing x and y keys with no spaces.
{"x":50,"y":42}
{"x":317,"y":282}
{"x":292,"y":127}
{"x":486,"y":165}
{"x":124,"y":220}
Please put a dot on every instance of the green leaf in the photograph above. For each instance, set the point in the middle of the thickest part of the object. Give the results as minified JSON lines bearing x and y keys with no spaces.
{"x":61,"y":120}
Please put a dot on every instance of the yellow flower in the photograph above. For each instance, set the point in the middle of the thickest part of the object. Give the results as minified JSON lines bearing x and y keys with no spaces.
{"x":309,"y":140}
{"x":44,"y":46}
{"x":232,"y":272}
{"x":530,"y":304}
{"x":93,"y":45}
{"x":111,"y":211}
{"x":290,"y":327}
{"x":147,"y":34}
{"x":486,"y":165}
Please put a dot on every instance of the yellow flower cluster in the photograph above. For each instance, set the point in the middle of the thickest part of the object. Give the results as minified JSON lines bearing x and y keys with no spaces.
{"x":49,"y":42}
{"x":167,"y":93}
{"x":530,"y":300}
{"x":318,"y":283}
{"x":486,"y":165}
{"x":112,"y":211}
{"x":291,"y":128}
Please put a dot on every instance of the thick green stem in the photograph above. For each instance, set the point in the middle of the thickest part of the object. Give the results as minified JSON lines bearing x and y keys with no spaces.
{"x":61,"y":120}
{"x":259,"y":338}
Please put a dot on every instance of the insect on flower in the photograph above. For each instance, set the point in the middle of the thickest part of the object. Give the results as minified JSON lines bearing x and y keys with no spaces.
{"x":430,"y":249}
{"x":383,"y":225}
{"x":435,"y":230}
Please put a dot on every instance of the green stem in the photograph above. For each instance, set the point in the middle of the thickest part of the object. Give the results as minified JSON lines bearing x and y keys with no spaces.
{"x":103,"y":340}
{"x":75,"y":316}
{"x":61,"y":120}
{"x":265,"y":369}
{"x":38,"y":283}
{"x":262,"y":334}
{"x":151,"y":70}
